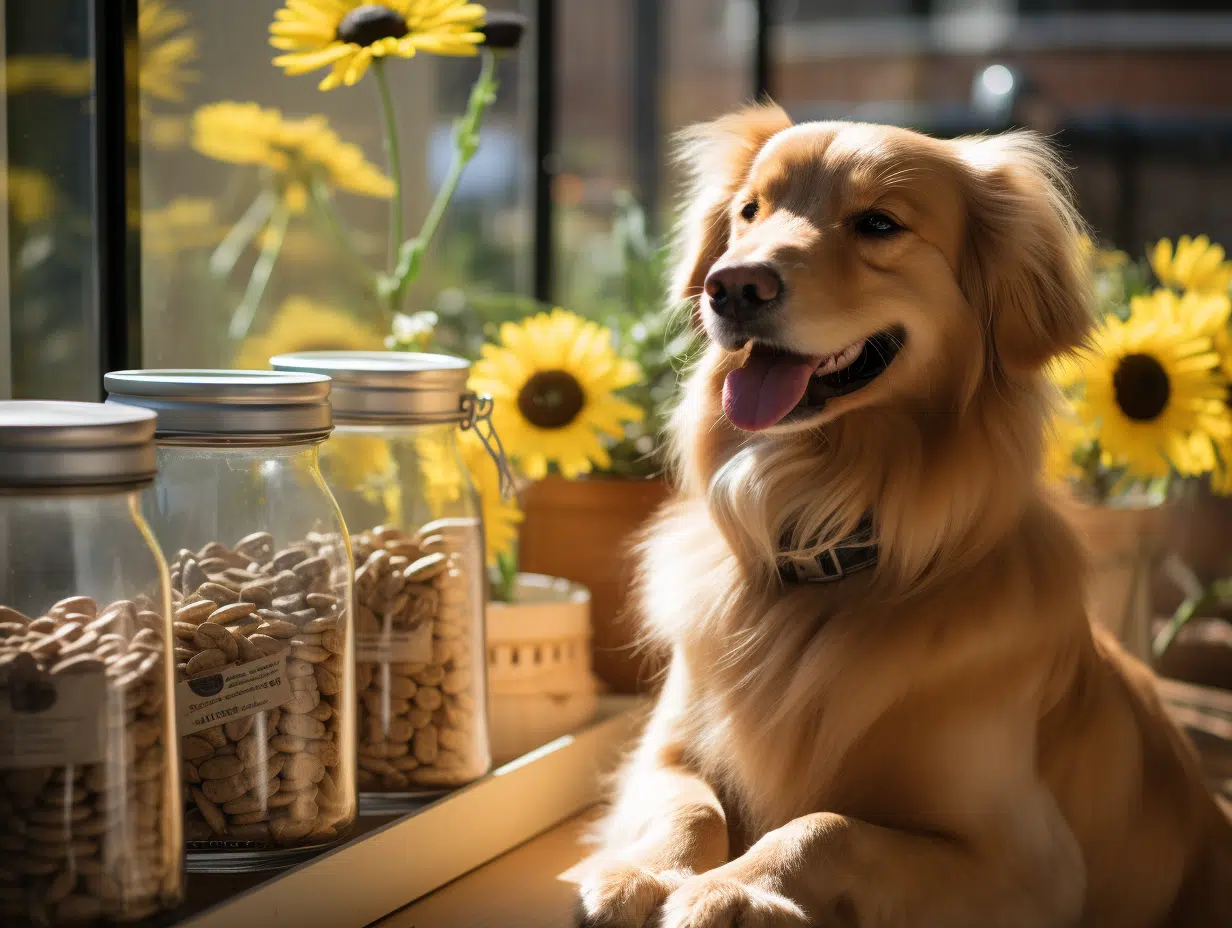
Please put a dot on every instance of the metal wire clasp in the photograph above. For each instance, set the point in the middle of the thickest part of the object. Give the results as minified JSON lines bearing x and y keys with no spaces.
{"x":477,"y":415}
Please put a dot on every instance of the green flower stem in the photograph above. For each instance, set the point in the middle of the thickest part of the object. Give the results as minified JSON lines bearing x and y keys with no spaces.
{"x":322,"y":210}
{"x":246,"y":312}
{"x":393,"y":159}
{"x":229,"y":250}
{"x":506,"y":577}
{"x":466,"y":142}
{"x":1098,"y":480}
{"x":1217,"y":594}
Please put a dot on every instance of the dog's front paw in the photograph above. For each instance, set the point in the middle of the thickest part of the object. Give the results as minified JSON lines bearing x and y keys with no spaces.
{"x":715,"y":901}
{"x":625,"y":897}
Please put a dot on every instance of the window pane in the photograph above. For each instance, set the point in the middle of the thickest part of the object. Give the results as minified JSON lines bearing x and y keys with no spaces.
{"x":1134,"y":90}
{"x":632,"y":73}
{"x":48,"y":308}
{"x":222,"y":285}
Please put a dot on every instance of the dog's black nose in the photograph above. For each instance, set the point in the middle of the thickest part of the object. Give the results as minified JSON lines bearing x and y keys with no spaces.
{"x":741,"y":290}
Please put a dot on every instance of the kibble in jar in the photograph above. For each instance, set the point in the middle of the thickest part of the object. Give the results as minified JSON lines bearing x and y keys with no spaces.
{"x":261,"y":575}
{"x":419,"y":672}
{"x":262,"y":648}
{"x":396,"y":467}
{"x":88,"y":789}
{"x":89,"y":784}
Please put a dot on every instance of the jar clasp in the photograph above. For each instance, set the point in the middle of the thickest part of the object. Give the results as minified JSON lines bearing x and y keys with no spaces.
{"x":477,"y":415}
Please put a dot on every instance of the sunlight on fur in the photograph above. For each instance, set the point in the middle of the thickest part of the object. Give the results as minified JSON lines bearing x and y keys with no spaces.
{"x":942,"y":739}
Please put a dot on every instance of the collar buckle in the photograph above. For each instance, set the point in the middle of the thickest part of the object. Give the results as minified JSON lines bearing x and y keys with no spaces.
{"x":848,"y":555}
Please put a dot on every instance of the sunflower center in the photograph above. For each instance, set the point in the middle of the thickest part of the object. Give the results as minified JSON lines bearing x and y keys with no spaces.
{"x":1142,"y":387}
{"x":368,"y":23}
{"x":551,"y":399}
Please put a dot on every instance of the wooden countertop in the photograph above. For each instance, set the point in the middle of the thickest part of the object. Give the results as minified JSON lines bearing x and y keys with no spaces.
{"x":529,"y":887}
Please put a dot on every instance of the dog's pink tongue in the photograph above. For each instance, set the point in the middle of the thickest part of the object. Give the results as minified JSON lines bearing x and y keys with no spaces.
{"x":766,"y":389}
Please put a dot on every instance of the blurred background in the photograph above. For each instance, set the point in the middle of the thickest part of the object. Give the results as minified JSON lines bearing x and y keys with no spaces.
{"x":120,"y":233}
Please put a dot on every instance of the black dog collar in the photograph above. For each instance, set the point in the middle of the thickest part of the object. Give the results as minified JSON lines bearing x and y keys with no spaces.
{"x":848,"y":555}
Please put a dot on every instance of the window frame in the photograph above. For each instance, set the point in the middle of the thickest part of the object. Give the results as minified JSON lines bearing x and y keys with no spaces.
{"x":117,"y":165}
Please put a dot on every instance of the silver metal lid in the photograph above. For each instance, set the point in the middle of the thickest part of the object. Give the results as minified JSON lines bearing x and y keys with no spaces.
{"x":45,"y":444}
{"x":389,"y":386}
{"x":207,"y":406}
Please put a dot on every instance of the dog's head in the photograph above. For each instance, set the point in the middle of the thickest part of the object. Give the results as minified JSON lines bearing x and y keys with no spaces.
{"x":879,"y":306}
{"x":839,"y":266}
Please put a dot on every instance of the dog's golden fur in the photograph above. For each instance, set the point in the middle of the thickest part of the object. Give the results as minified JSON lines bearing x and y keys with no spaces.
{"x":943,"y":741}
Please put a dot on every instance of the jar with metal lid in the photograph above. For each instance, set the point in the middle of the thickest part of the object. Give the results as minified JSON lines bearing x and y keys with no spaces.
{"x":89,"y":781}
{"x":420,"y":584}
{"x":261,"y":590}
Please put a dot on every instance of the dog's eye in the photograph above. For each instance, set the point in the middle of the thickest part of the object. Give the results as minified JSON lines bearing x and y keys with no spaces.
{"x":875,"y":224}
{"x":749,"y":211}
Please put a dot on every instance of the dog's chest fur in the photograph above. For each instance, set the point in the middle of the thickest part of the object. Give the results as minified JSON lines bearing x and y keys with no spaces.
{"x":765,"y":667}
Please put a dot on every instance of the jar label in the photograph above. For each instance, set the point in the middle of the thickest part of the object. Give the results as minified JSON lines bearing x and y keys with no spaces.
{"x":395,"y":645}
{"x":51,"y":721}
{"x":233,"y":693}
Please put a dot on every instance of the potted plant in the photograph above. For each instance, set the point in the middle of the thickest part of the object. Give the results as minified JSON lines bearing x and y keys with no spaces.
{"x":592,"y":473}
{"x":604,"y":511}
{"x":1144,"y":420}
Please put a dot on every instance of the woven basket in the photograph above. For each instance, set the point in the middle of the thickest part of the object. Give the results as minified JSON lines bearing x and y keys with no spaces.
{"x":539,"y":674}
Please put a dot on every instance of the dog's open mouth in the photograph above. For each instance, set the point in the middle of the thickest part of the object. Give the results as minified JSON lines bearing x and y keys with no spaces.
{"x":774,"y":384}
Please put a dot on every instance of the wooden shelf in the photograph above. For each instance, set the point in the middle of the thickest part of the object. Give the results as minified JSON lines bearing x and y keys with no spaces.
{"x":437,"y":867}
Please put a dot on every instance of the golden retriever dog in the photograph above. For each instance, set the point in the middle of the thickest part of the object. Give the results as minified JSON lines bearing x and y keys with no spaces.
{"x":886,"y":704}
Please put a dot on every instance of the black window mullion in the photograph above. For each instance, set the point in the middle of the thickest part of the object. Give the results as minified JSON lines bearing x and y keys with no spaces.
{"x":763,"y":63}
{"x":547,"y":158}
{"x":117,"y":181}
{"x":648,"y":29}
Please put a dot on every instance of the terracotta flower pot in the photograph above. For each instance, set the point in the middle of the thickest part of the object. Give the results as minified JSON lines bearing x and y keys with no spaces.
{"x":1201,"y":653}
{"x":1200,"y":525}
{"x":1125,"y":543}
{"x":582,"y":530}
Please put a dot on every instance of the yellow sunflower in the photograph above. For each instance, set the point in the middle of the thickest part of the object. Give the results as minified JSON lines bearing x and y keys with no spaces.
{"x":1100,"y":258}
{"x":553,"y":377}
{"x":165,"y":133}
{"x":442,"y":485}
{"x":165,"y":53}
{"x":1221,"y":473}
{"x":58,"y":74}
{"x":31,"y":195}
{"x":1067,"y":434}
{"x":1195,"y":264}
{"x":183,"y":224}
{"x":1208,"y":313}
{"x":1065,"y":372}
{"x":1152,"y":384}
{"x":302,"y":324}
{"x":298,"y":151}
{"x":346,"y":35}
{"x":301,"y":244}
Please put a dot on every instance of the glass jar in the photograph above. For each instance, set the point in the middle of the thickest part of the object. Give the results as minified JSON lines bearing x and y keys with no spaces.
{"x":261,"y":589}
{"x":420,"y":587}
{"x":89,"y":782}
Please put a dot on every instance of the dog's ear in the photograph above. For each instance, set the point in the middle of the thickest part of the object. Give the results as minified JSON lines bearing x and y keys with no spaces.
{"x":716,"y":157}
{"x":1025,"y":265}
